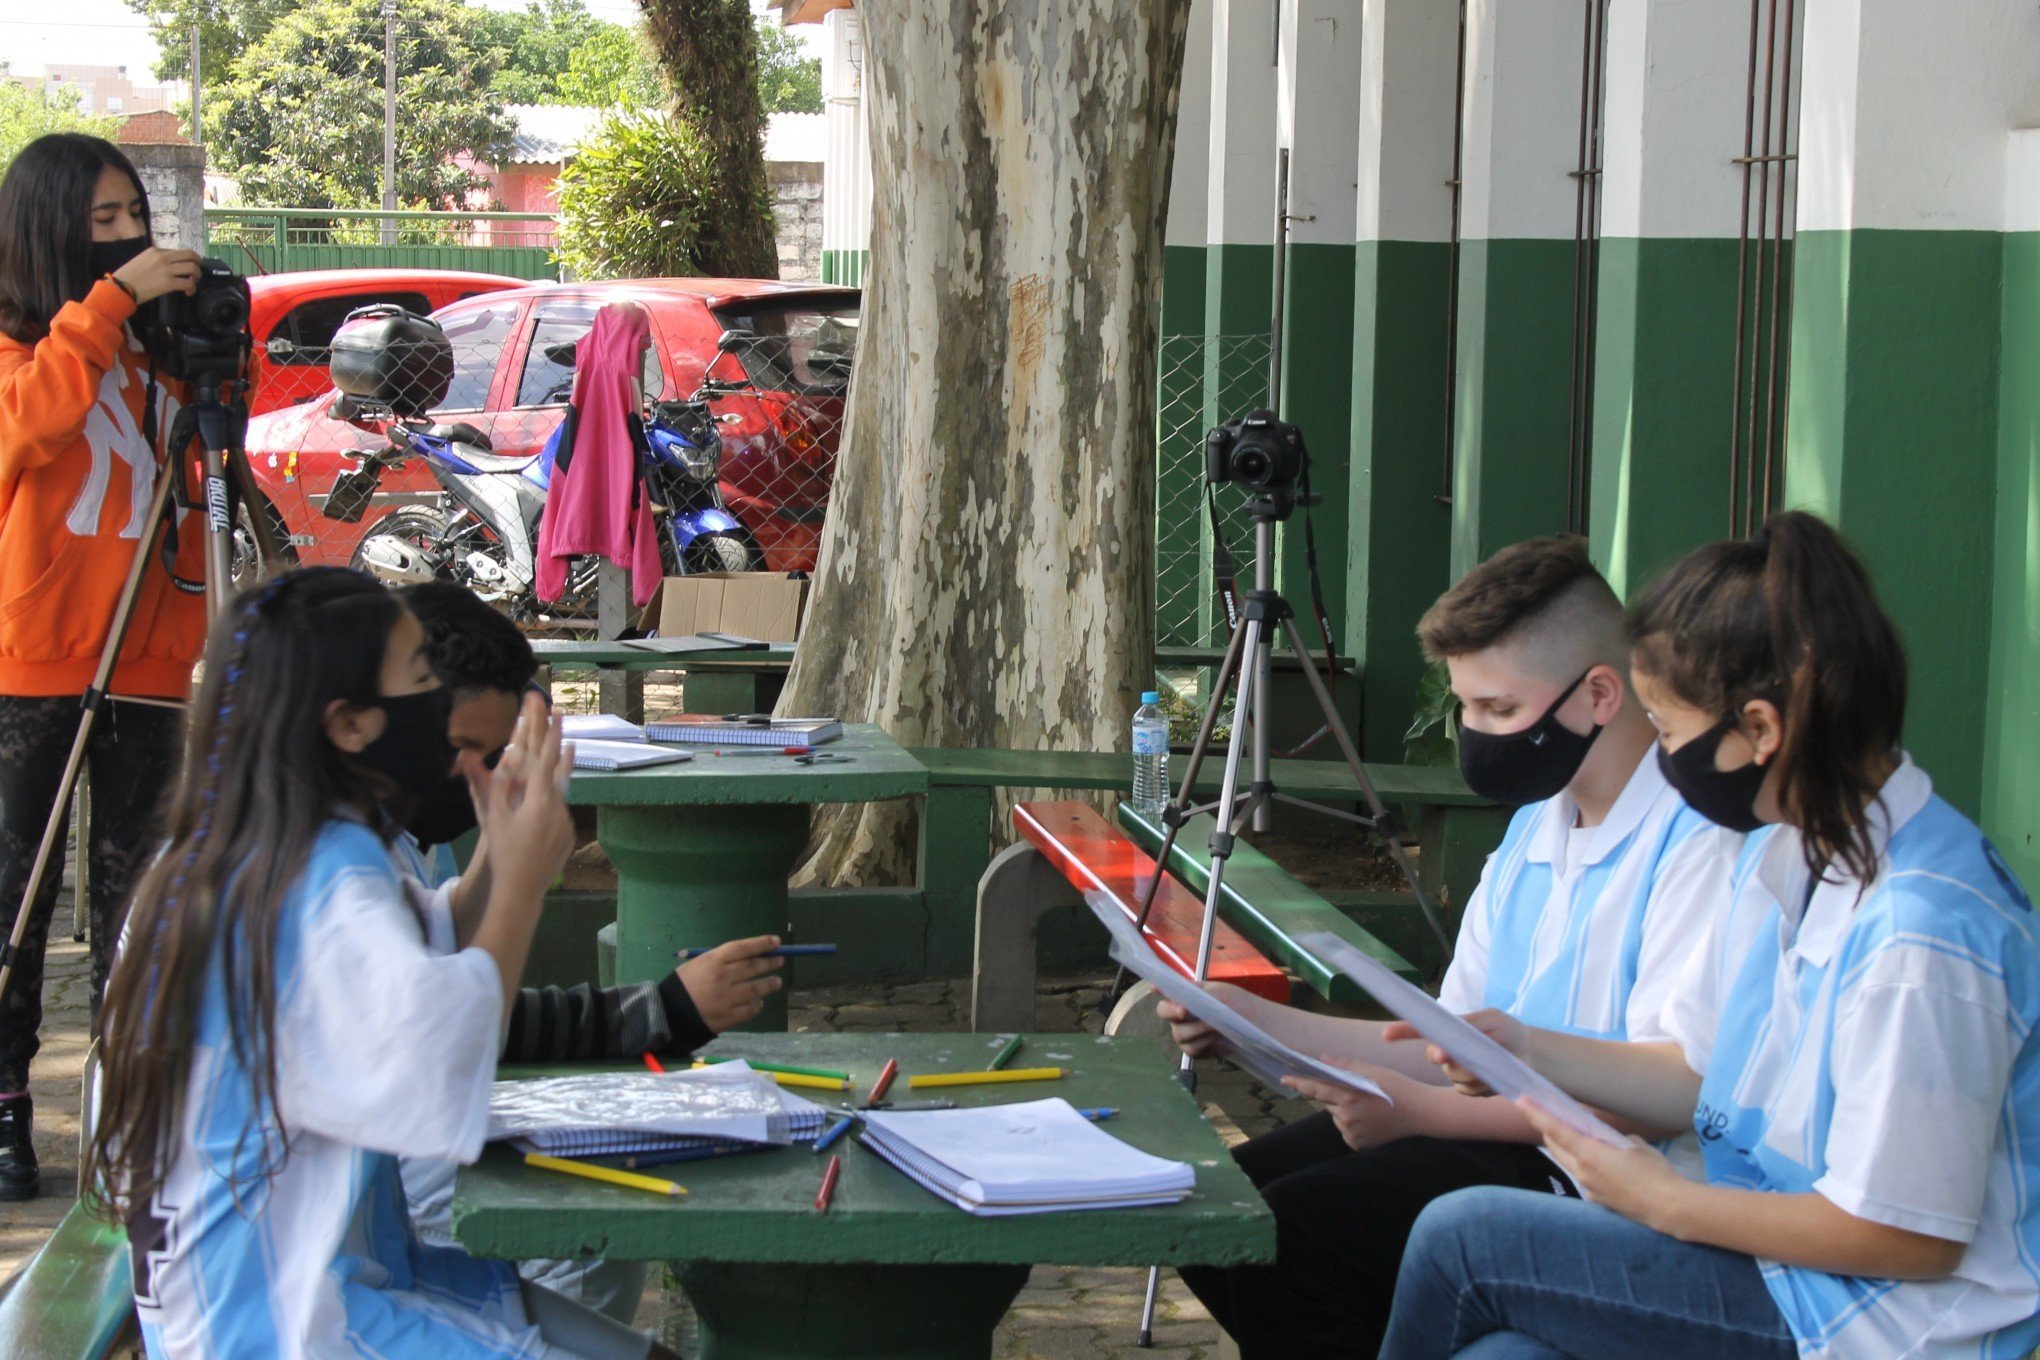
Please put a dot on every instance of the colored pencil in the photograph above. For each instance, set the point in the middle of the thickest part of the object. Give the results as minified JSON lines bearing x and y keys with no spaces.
{"x":835,"y":1131}
{"x":655,"y":1064}
{"x":1099,"y":1112}
{"x":785,"y":951}
{"x":1005,"y":1054}
{"x":901,"y":1106}
{"x":607,"y":1174}
{"x":800,"y":1079}
{"x":983,"y":1078}
{"x":828,"y":1190}
{"x":885,"y":1078}
{"x":757,"y":1066}
{"x":699,"y":1154}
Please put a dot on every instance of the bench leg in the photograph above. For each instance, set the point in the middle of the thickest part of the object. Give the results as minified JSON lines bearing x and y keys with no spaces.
{"x":1017,"y":890}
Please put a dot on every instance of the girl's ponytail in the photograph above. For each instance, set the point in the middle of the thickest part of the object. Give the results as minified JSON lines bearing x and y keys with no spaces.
{"x":1788,"y":615}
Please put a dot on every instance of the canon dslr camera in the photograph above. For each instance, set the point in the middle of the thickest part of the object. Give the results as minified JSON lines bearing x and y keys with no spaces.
{"x":201,"y":338}
{"x":1258,"y":452}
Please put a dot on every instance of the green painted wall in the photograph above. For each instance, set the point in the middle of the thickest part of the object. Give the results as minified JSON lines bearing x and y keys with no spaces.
{"x":1239,"y":291}
{"x":1893,"y":437}
{"x":2011,"y":765}
{"x":1400,"y":529}
{"x":1513,"y":394}
{"x":846,"y":267}
{"x":1180,"y":534}
{"x":1664,"y":377}
{"x":1317,"y":396}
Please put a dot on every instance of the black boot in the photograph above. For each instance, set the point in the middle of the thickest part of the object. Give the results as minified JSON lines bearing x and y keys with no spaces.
{"x":19,"y":1176}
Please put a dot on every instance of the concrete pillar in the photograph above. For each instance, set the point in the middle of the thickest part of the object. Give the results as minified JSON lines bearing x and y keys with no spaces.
{"x":1898,"y":316}
{"x":846,"y":174}
{"x":1399,"y":523}
{"x":1182,"y":566}
{"x":1664,"y":352}
{"x":1514,"y":382}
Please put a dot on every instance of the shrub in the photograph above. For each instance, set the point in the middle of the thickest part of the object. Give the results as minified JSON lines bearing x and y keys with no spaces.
{"x":633,"y":198}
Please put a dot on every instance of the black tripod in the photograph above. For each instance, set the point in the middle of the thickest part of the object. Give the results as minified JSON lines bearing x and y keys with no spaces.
{"x":1262,"y":613}
{"x":216,"y":417}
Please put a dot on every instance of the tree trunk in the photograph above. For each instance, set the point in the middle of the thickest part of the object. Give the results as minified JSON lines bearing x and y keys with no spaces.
{"x":986,"y":574}
{"x":709,"y":50}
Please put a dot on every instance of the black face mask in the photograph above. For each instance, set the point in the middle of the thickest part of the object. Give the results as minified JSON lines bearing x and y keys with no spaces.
{"x":413,"y":751}
{"x":1725,"y":797}
{"x":1527,"y":766}
{"x":108,"y":256}
{"x":442,"y":815}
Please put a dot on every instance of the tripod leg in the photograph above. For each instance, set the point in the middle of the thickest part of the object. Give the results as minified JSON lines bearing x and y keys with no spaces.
{"x":116,"y":635}
{"x":267,"y":548}
{"x":1374,"y":804}
{"x":1146,"y":1340}
{"x":81,"y":891}
{"x":219,"y":532}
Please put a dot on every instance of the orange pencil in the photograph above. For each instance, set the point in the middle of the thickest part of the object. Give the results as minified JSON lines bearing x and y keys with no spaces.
{"x":655,"y":1064}
{"x":828,"y":1190}
{"x":878,"y":1088}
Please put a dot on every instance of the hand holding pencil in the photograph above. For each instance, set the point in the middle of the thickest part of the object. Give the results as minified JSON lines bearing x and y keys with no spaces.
{"x":729,"y":983}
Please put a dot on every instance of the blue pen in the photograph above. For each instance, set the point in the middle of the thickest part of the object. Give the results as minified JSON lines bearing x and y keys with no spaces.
{"x":1101,"y":1112}
{"x":785,"y":951}
{"x":835,"y":1131}
{"x":667,"y":1156}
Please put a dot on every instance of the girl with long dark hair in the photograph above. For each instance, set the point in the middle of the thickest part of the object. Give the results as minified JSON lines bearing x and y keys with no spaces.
{"x":290,"y":1011}
{"x":1854,"y":1043}
{"x":77,"y":474}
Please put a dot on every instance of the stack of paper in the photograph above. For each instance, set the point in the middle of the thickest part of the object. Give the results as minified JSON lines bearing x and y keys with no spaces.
{"x":607,"y":1113}
{"x":599,"y":727}
{"x":1033,"y":1158}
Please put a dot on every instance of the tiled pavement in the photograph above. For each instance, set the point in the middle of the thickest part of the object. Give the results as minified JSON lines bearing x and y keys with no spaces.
{"x":1063,"y":1313}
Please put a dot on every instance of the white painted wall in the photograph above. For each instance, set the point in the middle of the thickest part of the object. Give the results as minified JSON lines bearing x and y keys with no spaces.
{"x":1319,"y":79}
{"x":1190,"y":171}
{"x":2022,"y":180}
{"x":846,"y":172}
{"x":1908,"y":108}
{"x":1409,"y":52}
{"x":1522,"y":117}
{"x":1241,"y":187}
{"x":1673,"y":118}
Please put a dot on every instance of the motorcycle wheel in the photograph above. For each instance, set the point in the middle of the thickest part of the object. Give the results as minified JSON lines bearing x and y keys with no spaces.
{"x":244,"y":558}
{"x":422,"y":529}
{"x":717,"y":552}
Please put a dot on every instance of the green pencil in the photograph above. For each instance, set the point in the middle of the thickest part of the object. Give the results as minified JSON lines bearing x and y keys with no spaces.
{"x":790,"y":1070}
{"x":1005,"y":1054}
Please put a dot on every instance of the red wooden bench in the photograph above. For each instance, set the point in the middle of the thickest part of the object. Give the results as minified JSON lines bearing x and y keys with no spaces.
{"x":1067,"y":850}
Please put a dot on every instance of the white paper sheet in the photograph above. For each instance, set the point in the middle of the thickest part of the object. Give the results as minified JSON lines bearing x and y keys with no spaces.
{"x":599,"y":727}
{"x":1505,"y":1073}
{"x":1252,"y":1047}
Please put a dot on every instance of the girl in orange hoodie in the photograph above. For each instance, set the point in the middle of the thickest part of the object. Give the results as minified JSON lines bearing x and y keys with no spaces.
{"x":76,"y":479}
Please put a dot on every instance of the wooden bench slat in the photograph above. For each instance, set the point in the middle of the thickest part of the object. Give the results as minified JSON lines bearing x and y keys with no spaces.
{"x":1329,"y":780}
{"x":1267,"y":904}
{"x":1091,"y":854}
{"x":74,"y":1297}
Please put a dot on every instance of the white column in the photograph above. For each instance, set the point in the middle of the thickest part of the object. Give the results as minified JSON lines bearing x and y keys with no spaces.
{"x":1672,"y":125}
{"x":1241,"y":183}
{"x":846,"y":173}
{"x":1522,"y":118}
{"x":1190,"y":170}
{"x":1408,"y":56}
{"x":1319,"y":119}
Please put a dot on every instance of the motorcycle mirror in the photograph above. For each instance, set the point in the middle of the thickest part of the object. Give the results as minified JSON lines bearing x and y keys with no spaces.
{"x":280,"y":348}
{"x":730,"y":341}
{"x":359,"y":413}
{"x":561,"y":354}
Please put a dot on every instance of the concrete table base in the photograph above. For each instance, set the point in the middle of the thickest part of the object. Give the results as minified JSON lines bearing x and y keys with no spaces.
{"x":773,"y":1312}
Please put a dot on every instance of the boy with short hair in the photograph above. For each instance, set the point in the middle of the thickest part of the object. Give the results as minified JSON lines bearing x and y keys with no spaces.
{"x":1580,"y":922}
{"x":485,"y":661}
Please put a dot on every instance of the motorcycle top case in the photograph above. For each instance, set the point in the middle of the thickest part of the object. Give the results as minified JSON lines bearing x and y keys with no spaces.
{"x":393,"y":358}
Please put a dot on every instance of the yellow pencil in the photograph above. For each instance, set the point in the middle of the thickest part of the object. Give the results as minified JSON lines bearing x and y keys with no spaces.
{"x":603,"y":1173}
{"x":797,"y":1079}
{"x":980,"y":1078}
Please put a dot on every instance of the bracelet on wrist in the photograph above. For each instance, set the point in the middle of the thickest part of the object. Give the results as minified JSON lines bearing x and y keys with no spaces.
{"x":125,"y":287}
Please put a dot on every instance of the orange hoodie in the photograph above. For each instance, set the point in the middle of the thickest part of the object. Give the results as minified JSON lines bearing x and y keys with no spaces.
{"x":76,"y":482}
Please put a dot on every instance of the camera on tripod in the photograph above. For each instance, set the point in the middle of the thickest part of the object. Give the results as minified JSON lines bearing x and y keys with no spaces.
{"x":201,"y":338}
{"x":1260,"y":453}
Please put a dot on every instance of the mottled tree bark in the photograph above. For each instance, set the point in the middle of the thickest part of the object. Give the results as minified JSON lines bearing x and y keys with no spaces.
{"x":710,"y":53}
{"x":986,"y":574}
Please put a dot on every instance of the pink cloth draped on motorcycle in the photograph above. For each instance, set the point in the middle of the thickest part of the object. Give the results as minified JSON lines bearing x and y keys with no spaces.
{"x":597,"y":503}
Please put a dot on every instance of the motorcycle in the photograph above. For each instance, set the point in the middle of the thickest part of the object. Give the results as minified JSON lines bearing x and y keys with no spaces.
{"x":488,"y":542}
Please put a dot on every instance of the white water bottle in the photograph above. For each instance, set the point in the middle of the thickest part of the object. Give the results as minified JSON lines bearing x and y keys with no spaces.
{"x":1150,"y":756}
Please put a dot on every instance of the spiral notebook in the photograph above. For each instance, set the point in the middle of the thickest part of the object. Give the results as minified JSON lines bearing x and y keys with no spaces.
{"x":622,"y":755}
{"x":1032,"y":1157}
{"x":709,"y":729}
{"x":606,"y":1113}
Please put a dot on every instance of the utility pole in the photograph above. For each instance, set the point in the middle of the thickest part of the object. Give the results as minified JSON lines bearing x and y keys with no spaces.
{"x":197,"y":128}
{"x":389,"y":127}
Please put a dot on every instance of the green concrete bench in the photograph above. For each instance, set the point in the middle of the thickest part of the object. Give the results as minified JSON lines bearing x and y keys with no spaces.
{"x":74,"y":1299}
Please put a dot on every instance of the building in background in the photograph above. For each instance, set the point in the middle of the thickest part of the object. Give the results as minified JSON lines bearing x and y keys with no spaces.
{"x":102,"y":89}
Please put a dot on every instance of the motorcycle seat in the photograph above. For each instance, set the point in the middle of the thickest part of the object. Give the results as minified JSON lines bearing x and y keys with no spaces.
{"x":460,"y":432}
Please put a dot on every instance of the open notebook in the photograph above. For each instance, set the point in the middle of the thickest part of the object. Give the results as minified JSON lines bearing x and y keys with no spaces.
{"x":1035,"y":1157}
{"x":606,"y":1113}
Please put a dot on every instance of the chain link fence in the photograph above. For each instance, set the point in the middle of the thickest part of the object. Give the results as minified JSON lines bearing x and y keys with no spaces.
{"x":1203,"y":380}
{"x":442,"y":470}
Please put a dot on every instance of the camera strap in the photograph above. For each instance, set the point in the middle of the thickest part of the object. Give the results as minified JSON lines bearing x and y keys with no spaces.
{"x":1224,"y":577}
{"x":1317,"y":585}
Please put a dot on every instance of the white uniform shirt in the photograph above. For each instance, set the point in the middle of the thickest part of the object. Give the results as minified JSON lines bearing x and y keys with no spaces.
{"x":1872,"y":1043}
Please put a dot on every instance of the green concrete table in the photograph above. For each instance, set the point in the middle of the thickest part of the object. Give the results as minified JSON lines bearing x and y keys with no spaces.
{"x":703,"y":848}
{"x":890,"y":1270}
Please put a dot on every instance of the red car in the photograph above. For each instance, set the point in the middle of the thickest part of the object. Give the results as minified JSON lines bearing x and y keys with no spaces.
{"x":779,"y":434}
{"x":293,"y":317}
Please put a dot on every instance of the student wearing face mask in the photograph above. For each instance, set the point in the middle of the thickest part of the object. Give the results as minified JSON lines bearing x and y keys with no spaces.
{"x":485,"y":668}
{"x":1853,"y":1041}
{"x":1580,"y":922}
{"x":76,"y":479}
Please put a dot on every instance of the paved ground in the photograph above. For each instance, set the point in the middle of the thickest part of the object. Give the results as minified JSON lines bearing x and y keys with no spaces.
{"x":1062,"y":1314}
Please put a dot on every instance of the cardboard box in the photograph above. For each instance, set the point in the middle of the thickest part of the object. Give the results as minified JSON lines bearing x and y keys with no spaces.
{"x":755,"y":604}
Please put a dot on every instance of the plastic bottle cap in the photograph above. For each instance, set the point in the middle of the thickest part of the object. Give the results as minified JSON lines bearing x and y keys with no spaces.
{"x":1153,"y":696}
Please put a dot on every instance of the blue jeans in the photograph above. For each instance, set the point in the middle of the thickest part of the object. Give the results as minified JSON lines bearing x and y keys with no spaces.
{"x":1496,"y":1274}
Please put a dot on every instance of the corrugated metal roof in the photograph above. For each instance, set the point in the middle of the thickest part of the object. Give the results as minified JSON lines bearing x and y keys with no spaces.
{"x":546,"y":134}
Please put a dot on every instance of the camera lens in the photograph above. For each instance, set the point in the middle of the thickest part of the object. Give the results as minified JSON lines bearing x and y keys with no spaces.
{"x":222,"y":311}
{"x":1251,"y":465}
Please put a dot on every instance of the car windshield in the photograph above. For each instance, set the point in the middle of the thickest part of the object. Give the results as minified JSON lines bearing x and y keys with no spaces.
{"x":798,"y":347}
